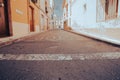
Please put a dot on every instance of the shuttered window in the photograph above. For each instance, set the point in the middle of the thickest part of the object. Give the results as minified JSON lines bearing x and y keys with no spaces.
{"x":107,"y":9}
{"x":111,"y":9}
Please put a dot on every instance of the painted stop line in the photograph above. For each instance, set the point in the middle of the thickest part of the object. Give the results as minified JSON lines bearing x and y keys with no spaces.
{"x":115,"y":55}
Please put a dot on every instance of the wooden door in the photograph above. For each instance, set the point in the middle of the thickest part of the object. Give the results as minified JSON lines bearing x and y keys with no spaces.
{"x":65,"y":25}
{"x":2,"y":19}
{"x":31,"y":17}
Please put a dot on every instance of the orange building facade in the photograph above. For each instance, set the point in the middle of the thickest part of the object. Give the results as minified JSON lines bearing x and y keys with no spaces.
{"x":21,"y":17}
{"x":24,"y":16}
{"x":46,"y":10}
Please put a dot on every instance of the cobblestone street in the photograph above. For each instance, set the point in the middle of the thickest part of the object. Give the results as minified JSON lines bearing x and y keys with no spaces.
{"x":59,"y":42}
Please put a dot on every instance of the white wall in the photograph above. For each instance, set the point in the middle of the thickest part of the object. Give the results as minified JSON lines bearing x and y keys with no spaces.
{"x":119,"y":9}
{"x":84,"y":21}
{"x":83,"y":17}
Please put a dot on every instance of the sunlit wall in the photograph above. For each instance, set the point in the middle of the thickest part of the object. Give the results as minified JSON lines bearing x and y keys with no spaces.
{"x":84,"y":14}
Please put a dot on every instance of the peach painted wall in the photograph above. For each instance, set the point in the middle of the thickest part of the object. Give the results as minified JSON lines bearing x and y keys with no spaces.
{"x":19,"y":15}
{"x":36,"y":16}
{"x":19,"y":11}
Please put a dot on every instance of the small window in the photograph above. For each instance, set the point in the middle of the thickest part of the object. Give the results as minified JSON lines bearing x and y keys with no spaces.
{"x":106,"y":6}
{"x":34,"y":1}
{"x":107,"y":10}
{"x":111,"y":9}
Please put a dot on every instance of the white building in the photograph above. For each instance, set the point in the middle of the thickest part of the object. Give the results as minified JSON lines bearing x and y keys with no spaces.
{"x":51,"y":13}
{"x":95,"y":18}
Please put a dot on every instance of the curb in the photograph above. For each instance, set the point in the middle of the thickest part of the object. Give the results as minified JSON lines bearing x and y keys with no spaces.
{"x":14,"y":40}
{"x":108,"y":41}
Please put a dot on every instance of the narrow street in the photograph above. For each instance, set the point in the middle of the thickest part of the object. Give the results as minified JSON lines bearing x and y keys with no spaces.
{"x":60,"y":42}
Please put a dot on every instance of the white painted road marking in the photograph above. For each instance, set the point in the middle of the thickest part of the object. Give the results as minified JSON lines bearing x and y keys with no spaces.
{"x":115,"y":55}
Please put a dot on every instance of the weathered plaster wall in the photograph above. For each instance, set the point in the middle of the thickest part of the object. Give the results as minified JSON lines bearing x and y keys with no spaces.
{"x":84,"y":19}
{"x":83,"y":14}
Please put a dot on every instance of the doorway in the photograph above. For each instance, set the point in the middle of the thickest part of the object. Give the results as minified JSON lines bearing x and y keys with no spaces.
{"x":47,"y":25}
{"x":4,"y":23}
{"x":31,"y":19}
{"x":65,"y":25}
{"x":42,"y":23}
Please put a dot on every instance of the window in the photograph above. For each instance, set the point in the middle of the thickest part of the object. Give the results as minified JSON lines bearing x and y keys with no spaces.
{"x":46,"y":9}
{"x":107,"y":10}
{"x":34,"y":1}
{"x":106,"y":6}
{"x":111,"y":9}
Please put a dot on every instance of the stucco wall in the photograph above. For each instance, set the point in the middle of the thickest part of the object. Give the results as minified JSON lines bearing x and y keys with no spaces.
{"x":19,"y":17}
{"x":84,"y":19}
{"x":83,"y":14}
{"x":42,"y":5}
{"x":87,"y":17}
{"x":19,"y":11}
{"x":20,"y":29}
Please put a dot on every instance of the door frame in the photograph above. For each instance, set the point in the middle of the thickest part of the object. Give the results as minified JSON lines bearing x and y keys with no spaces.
{"x":7,"y":17}
{"x":8,"y":24}
{"x":31,"y":14}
